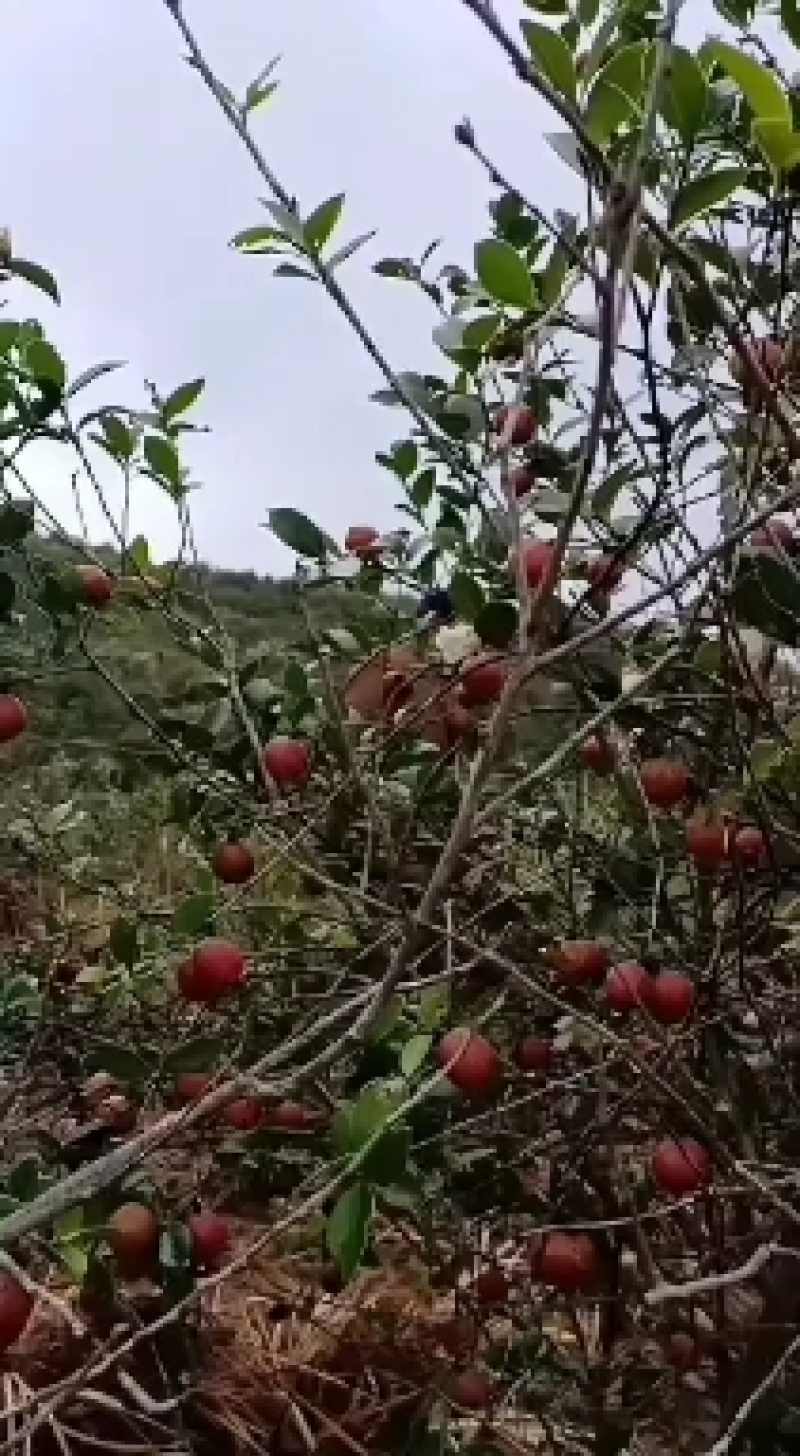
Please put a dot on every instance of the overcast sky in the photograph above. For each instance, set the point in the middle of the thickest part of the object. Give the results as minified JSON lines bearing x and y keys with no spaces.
{"x":122,"y":177}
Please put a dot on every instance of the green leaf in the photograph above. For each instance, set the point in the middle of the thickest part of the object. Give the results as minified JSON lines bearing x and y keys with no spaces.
{"x":357,"y":1122}
{"x":548,"y":7}
{"x":467,"y":595}
{"x":703,"y":193}
{"x":118,"y":437}
{"x":69,"y":1240}
{"x":16,"y":522}
{"x":766,"y":595}
{"x":348,"y":1228}
{"x":198,"y":1054}
{"x":319,"y":226}
{"x":414,"y":1053}
{"x":552,"y":56}
{"x":119,"y":1062}
{"x":761,"y":88}
{"x":684,"y":98}
{"x":421,"y":490}
{"x":404,"y":456}
{"x":779,"y":143}
{"x":162,"y":457}
{"x":96,"y":371}
{"x":360,"y":1133}
{"x":182,"y":399}
{"x":259,"y":240}
{"x":195,"y":916}
{"x":618,"y":91}
{"x":503,"y":273}
{"x":45,"y":362}
{"x":23,"y":1181}
{"x":300,"y":534}
{"x":790,"y":20}
{"x":496,"y":625}
{"x":34,"y":274}
{"x":342,"y":254}
{"x":123,"y":942}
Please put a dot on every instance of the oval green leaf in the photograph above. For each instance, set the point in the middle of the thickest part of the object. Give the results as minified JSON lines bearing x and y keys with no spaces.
{"x":762,"y":90}
{"x":503,"y":273}
{"x":702,"y":194}
{"x":552,"y":56}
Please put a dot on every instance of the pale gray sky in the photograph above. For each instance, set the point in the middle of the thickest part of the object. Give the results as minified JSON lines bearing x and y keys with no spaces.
{"x":122,"y":177}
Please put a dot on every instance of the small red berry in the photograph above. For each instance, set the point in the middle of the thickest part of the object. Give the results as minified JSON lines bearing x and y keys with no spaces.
{"x":581,"y":962}
{"x":521,"y":481}
{"x":234,"y":863}
{"x":287,"y":760}
{"x":97,"y":588}
{"x":606,"y":573}
{"x":477,"y":1068}
{"x":598,"y":754}
{"x":707,"y":842}
{"x":244,"y":1113}
{"x":534,"y":1054}
{"x":681,"y":1166}
{"x":482,"y":683}
{"x":628,"y":986}
{"x":522,"y":420}
{"x":666,"y":782}
{"x":749,"y":845}
{"x":473,"y":1390}
{"x":16,"y":1307}
{"x":13,"y":718}
{"x":671,"y":998}
{"x":567,"y":1262}
{"x":537,"y":561}
{"x":211,"y":1238}
{"x":682,"y":1350}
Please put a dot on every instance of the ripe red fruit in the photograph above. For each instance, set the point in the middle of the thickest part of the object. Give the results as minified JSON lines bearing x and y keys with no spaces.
{"x":581,"y":962}
{"x":537,"y":560}
{"x":211,"y":1238}
{"x":287,"y":760}
{"x":567,"y":1262}
{"x":777,"y":535}
{"x":190,"y":1087}
{"x":606,"y":573}
{"x":234,"y":863}
{"x":362,"y":539}
{"x":244,"y":1113}
{"x":707,"y":842}
{"x":534,"y":1054}
{"x":397,"y":690}
{"x":666,"y":781}
{"x":490,"y":1288}
{"x":118,"y":1113}
{"x":682,"y":1350}
{"x":458,"y":1336}
{"x":671,"y":998}
{"x":482,"y":683}
{"x":13,"y":718}
{"x":477,"y":1070}
{"x":749,"y":845}
{"x":97,"y":588}
{"x":768,"y":353}
{"x":521,"y":481}
{"x":133,"y":1236}
{"x":292,"y":1117}
{"x":628,"y":985}
{"x":681,"y":1166}
{"x":473,"y":1390}
{"x":16,"y":1305}
{"x":215,"y":970}
{"x":598,"y":754}
{"x":522,"y":419}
